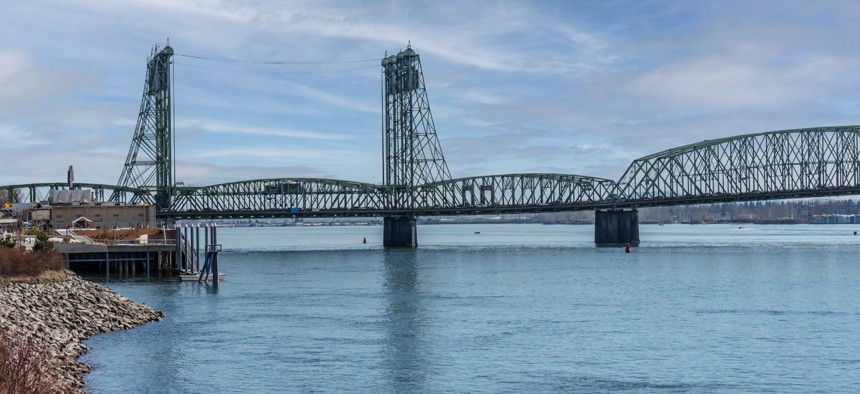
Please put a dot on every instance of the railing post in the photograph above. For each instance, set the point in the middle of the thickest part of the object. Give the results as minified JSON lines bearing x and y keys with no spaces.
{"x":196,"y":249}
{"x":178,"y":248}
{"x":215,"y":257}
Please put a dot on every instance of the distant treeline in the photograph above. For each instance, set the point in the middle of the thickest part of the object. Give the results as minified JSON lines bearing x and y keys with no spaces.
{"x":801,"y":211}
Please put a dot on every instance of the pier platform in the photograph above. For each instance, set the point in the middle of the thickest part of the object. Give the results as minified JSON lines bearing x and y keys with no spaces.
{"x":173,"y":251}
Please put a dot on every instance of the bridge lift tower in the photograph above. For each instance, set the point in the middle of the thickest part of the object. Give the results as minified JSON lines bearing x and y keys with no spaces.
{"x":149,"y":164}
{"x":411,"y":151}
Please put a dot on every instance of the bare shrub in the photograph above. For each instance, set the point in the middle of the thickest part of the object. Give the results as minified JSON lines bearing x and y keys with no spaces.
{"x":25,"y":367}
{"x":18,"y":262}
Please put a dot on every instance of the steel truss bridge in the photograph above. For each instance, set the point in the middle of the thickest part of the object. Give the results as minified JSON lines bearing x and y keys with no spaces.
{"x":38,"y":192}
{"x":811,"y":162}
{"x":786,"y":164}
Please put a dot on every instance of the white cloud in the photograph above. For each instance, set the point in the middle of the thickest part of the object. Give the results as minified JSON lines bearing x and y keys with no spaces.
{"x":13,"y":136}
{"x":514,"y":86}
{"x":217,"y":127}
{"x":728,"y":82}
{"x":480,"y":97}
{"x":334,"y":99}
{"x":25,"y":82}
{"x":11,"y":63}
{"x":277,"y":154}
{"x":220,"y":10}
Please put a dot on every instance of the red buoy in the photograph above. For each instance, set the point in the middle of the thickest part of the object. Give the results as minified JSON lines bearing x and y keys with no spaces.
{"x":627,"y":249}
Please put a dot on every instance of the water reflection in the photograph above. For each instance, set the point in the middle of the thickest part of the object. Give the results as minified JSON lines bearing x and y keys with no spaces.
{"x":404,"y":350}
{"x":157,"y":347}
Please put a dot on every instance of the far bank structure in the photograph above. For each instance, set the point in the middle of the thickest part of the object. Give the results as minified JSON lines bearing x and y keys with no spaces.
{"x":171,"y":250}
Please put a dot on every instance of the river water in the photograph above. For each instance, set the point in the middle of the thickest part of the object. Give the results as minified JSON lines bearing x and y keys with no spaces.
{"x":501,"y":308}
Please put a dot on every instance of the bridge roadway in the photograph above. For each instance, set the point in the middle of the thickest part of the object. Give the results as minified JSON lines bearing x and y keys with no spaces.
{"x":802,"y":163}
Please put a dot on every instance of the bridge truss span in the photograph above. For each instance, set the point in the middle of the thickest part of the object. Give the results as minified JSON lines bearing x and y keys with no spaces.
{"x":278,"y":197}
{"x":797,"y":163}
{"x":531,"y":192}
{"x":39,"y":192}
{"x":311,"y":197}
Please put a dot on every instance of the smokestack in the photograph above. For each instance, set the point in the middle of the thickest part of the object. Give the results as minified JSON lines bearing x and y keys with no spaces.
{"x":70,"y":176}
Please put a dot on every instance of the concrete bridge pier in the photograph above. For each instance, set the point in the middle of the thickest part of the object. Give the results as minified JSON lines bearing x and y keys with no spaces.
{"x":399,"y":231}
{"x":616,"y":228}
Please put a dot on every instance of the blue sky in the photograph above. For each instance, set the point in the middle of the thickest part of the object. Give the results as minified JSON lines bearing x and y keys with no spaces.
{"x":514,"y":86}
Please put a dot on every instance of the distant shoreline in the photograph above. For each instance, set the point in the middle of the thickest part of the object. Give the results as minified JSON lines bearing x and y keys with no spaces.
{"x":491,"y":221}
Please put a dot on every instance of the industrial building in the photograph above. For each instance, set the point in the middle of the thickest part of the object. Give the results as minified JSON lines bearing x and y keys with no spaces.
{"x":78,"y":209}
{"x":94,"y":216}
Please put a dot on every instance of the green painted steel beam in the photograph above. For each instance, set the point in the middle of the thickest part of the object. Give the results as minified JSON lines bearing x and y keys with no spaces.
{"x":149,"y":163}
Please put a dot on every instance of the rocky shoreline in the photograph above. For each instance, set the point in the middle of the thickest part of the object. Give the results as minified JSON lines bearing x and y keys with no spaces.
{"x":59,"y":314}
